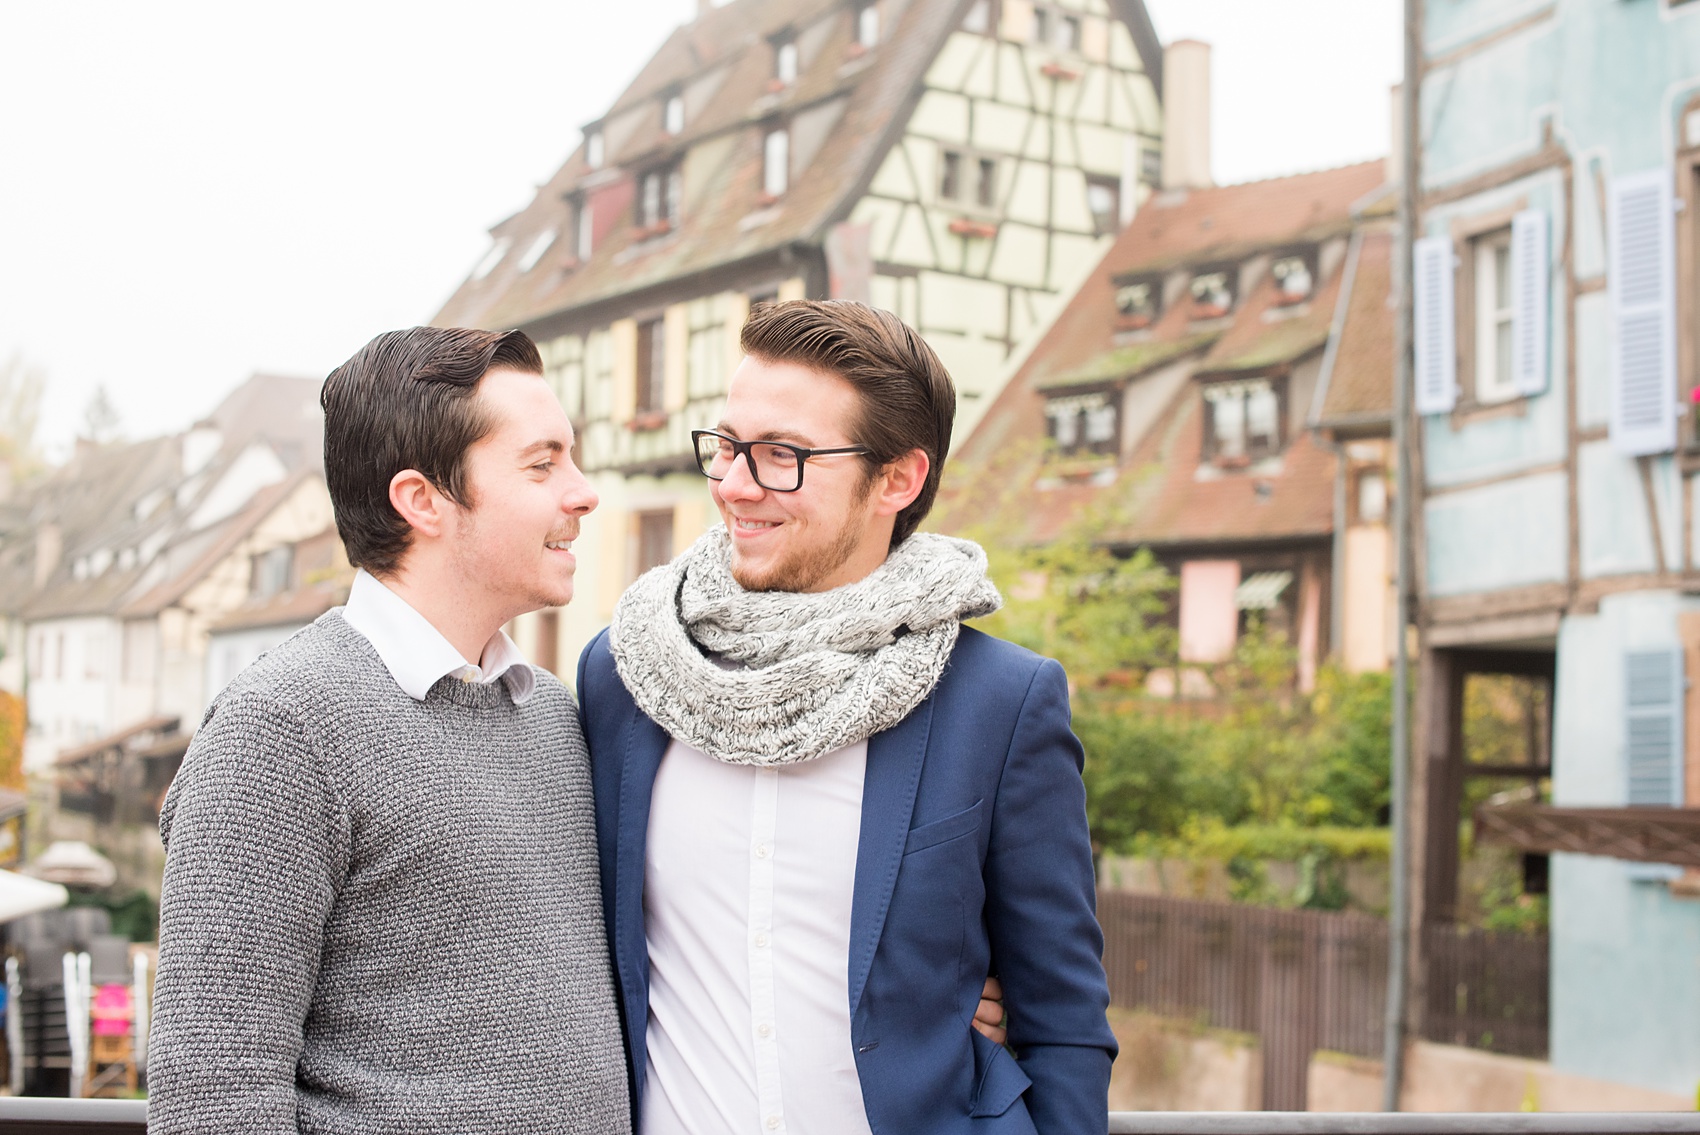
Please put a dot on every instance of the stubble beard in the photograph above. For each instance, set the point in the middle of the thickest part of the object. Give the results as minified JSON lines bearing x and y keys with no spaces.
{"x":804,"y":569}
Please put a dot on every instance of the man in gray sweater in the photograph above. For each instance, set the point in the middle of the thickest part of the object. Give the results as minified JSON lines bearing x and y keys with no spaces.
{"x":381,"y":910}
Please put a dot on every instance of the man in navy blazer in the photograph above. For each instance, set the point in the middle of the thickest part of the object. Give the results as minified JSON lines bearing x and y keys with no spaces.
{"x":826,"y":810}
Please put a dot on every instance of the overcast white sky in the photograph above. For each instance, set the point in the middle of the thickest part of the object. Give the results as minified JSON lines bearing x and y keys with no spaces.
{"x":191,"y":192}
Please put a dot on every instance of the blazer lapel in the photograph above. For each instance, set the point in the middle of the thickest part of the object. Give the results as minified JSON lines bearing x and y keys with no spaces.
{"x":646,"y":743}
{"x":888,"y":803}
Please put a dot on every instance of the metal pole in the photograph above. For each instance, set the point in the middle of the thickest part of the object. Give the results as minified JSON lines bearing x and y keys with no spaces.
{"x":1399,"y":932}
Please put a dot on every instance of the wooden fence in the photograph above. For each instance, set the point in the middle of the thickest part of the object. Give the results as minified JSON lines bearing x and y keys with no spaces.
{"x":1305,"y":980}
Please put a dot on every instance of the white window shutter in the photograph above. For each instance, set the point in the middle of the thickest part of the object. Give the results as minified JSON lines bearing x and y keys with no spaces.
{"x":1436,"y":369}
{"x":1530,"y":289}
{"x":1642,"y":281}
{"x":1653,"y":696}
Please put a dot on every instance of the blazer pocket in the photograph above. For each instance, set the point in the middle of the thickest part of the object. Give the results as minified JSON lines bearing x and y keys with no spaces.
{"x":939,"y":831}
{"x":1000,"y":1080}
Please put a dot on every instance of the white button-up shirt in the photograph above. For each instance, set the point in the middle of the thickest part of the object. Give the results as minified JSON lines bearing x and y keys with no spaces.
{"x":748,"y":882}
{"x":416,"y":653}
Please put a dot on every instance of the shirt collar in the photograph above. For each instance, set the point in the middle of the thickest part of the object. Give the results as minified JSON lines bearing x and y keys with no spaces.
{"x":416,"y":653}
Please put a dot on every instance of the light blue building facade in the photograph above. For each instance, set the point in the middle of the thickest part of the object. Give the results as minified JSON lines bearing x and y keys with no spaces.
{"x":1557,"y":320}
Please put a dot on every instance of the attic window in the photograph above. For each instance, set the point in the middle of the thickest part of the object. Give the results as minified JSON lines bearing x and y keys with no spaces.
{"x":593,"y":149}
{"x":785,"y":59}
{"x":978,"y":21}
{"x":658,"y":199}
{"x":1139,"y":303}
{"x":868,"y":25}
{"x":1212,"y":295}
{"x":1242,"y":421}
{"x":1295,"y":279}
{"x":586,"y":234}
{"x":1083,"y":424}
{"x":535,"y":250}
{"x":776,"y":162}
{"x":673,"y":114}
{"x":1104,"y":201}
{"x":491,"y":259}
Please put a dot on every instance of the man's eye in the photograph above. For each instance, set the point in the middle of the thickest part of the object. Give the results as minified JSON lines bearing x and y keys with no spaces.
{"x":779,"y":455}
{"x":544,"y":466}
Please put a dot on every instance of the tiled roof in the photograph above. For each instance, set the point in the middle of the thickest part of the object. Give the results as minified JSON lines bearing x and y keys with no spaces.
{"x":1360,"y":381}
{"x":722,"y":219}
{"x":1159,"y":494}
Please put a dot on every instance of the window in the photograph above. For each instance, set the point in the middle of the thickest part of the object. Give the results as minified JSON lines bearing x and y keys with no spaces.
{"x":1242,"y":421}
{"x":535,"y":250}
{"x":673,"y":114}
{"x":1212,"y":295}
{"x":1083,"y":423}
{"x":868,"y":25}
{"x":785,"y":59}
{"x":1104,"y":200}
{"x":585,"y":235}
{"x":593,"y":149}
{"x":1041,"y":32}
{"x":1295,"y":278}
{"x":776,"y":162}
{"x":1151,"y":167}
{"x":1371,"y":496}
{"x":1055,"y":28}
{"x":654,"y":539}
{"x":950,"y":175}
{"x":1068,"y":33}
{"x":1139,"y":302}
{"x":651,"y":366}
{"x":658,"y":199}
{"x":492,"y":258}
{"x":1492,"y":280}
{"x":268,"y":572}
{"x":979,"y":21}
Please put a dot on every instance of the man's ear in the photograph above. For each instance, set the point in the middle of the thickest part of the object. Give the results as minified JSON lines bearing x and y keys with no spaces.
{"x":419,"y":502}
{"x":901,"y":482}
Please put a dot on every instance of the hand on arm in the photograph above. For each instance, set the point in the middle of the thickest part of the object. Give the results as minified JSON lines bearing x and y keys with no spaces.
{"x":991,"y":1018}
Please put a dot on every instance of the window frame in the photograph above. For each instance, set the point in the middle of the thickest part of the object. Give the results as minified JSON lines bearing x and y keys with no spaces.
{"x":1490,"y":252}
{"x":669,"y":189}
{"x":1114,"y":185}
{"x":780,"y":130}
{"x":989,"y":13}
{"x":785,"y":49}
{"x":649,"y":369}
{"x":651,"y":527}
{"x":975,"y":191}
{"x":673,"y":100}
{"x":1210,"y":451}
{"x":1312,"y":260}
{"x":1129,"y":321}
{"x":1231,"y":283}
{"x":859,"y":14}
{"x":1082,"y":447}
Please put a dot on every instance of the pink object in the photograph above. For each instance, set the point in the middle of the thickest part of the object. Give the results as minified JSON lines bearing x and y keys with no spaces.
{"x":1210,"y":619}
{"x":112,"y":1010}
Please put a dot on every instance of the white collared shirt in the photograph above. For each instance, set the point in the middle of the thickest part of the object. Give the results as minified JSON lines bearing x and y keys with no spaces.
{"x":748,"y":882}
{"x":416,"y":653}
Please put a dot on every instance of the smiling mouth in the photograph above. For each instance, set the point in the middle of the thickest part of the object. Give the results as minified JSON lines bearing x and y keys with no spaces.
{"x":559,"y":545}
{"x":754,"y":525}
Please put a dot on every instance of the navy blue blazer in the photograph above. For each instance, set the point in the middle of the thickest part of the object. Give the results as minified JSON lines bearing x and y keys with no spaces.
{"x":973,"y":859}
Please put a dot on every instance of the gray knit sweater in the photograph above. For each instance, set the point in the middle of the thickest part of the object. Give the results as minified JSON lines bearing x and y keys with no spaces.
{"x":382,"y":915}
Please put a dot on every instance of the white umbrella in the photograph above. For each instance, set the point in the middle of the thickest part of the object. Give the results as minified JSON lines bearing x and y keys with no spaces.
{"x":21,"y":895}
{"x":73,"y":863}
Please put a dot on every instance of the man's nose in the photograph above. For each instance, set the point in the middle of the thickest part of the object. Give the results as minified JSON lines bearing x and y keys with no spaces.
{"x":579,"y":497}
{"x":740,"y":480}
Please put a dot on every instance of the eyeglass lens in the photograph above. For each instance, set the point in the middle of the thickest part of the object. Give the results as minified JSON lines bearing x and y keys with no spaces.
{"x":776,"y":466}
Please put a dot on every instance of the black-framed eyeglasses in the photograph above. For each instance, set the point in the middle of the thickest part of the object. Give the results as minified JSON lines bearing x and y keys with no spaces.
{"x":777,"y":466}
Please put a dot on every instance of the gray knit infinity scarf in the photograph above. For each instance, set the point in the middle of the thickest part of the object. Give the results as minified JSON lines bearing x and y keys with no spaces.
{"x":811,"y":673}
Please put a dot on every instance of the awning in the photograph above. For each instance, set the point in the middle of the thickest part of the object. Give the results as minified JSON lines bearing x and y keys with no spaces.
{"x":21,"y":895}
{"x":1260,"y":592}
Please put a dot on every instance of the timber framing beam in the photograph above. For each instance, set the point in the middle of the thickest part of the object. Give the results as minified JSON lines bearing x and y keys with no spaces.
{"x":1643,"y":835}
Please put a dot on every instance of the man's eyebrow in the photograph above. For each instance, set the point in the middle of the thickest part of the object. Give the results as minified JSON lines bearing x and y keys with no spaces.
{"x":544,"y":445}
{"x":791,"y":436}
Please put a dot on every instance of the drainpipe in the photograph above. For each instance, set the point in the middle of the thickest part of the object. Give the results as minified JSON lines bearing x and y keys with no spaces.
{"x":1399,"y":931}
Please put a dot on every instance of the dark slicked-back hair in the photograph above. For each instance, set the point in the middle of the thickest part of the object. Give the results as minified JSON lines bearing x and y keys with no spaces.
{"x":906,"y":399}
{"x":407,"y":400}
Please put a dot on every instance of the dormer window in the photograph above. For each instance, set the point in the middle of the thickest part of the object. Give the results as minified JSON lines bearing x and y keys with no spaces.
{"x":868,"y":25}
{"x":1139,"y":303}
{"x":776,"y":162}
{"x":585,"y":231}
{"x":1242,"y":421}
{"x":1082,"y":424}
{"x":535,"y":250}
{"x":658,"y":199}
{"x":785,"y":59}
{"x":673,"y":114}
{"x":491,"y":259}
{"x":1295,"y":278}
{"x":593,"y":155}
{"x":1212,"y":295}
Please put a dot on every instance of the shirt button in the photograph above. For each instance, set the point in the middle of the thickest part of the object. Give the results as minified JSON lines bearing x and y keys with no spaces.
{"x":773,"y":1123}
{"x":764,"y":1029}
{"x":761,"y":851}
{"x":761,"y":940}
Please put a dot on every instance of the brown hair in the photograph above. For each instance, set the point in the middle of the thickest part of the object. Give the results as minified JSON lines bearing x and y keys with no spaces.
{"x":407,"y":400}
{"x":906,"y":398}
